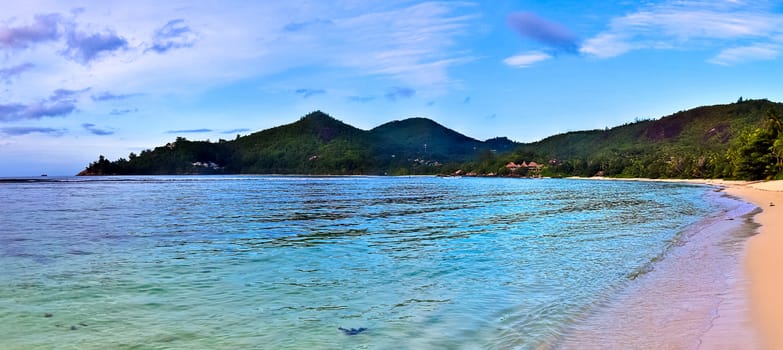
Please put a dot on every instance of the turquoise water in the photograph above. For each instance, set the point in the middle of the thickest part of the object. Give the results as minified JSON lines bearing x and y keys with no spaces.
{"x":282,"y":262}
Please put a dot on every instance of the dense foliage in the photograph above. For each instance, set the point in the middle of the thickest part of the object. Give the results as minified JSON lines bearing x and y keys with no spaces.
{"x":316,"y":144}
{"x":740,"y":140}
{"x":743,"y":140}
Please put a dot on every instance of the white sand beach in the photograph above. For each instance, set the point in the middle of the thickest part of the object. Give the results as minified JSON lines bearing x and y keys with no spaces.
{"x":764,"y":260}
{"x":750,"y":311}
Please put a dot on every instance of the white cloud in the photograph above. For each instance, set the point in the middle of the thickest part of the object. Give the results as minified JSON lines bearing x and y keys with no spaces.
{"x":685,"y":24}
{"x":526,"y":59}
{"x":606,"y":45}
{"x":409,"y":44}
{"x":742,"y":54}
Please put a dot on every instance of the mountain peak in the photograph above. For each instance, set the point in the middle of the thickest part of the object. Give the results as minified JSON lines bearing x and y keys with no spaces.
{"x":323,"y":125}
{"x":317,"y":116}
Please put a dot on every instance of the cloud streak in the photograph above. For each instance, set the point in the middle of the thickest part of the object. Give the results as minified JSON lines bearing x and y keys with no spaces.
{"x":413,"y":44}
{"x":234,"y":131}
{"x":743,"y":54}
{"x":173,"y":35}
{"x":66,"y":94}
{"x":25,"y":130}
{"x":14,"y":112}
{"x":6,"y":74}
{"x":692,"y":25}
{"x":306,"y":93}
{"x":84,"y":47}
{"x":123,"y":111}
{"x":60,"y":103}
{"x":544,"y":31}
{"x":108,"y":96}
{"x":526,"y":59}
{"x":397,"y":92}
{"x":44,"y":28}
{"x":95,"y":131}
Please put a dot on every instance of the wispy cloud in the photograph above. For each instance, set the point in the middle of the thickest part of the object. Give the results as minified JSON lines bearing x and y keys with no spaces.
{"x":44,"y":28}
{"x":234,"y":131}
{"x":397,"y":92}
{"x":607,"y":45}
{"x":93,"y":129}
{"x":189,"y":131}
{"x":526,"y":59}
{"x":544,"y":31}
{"x":309,"y":92}
{"x":83,"y":47}
{"x":173,"y":35}
{"x":742,"y":54}
{"x":687,"y":25}
{"x":60,"y":103}
{"x":66,"y":94}
{"x":7,"y":73}
{"x":14,"y":112}
{"x":413,"y":44}
{"x":409,"y":43}
{"x":24,"y":130}
{"x":123,"y":111}
{"x":108,"y":96}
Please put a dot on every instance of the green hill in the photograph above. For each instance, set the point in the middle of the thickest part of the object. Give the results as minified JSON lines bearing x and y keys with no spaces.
{"x":692,"y":143}
{"x":429,"y":141}
{"x":738,"y":140}
{"x":315,"y":144}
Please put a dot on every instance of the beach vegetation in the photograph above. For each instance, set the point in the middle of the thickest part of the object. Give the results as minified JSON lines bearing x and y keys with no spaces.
{"x":742,"y":140}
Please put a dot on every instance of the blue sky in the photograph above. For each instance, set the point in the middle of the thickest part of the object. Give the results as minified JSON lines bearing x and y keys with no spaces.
{"x":83,"y":78}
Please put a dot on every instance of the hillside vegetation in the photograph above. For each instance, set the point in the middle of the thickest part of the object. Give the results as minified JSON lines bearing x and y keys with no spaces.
{"x":741,"y":140}
{"x":704,"y":142}
{"x":316,"y":144}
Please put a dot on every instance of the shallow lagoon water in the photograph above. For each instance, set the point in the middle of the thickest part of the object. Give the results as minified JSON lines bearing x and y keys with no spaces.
{"x":284,"y":262}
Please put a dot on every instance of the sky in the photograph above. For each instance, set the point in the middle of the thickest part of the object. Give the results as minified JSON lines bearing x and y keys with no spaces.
{"x":81,"y":79}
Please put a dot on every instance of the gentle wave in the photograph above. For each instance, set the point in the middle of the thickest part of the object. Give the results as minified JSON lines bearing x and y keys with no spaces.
{"x":284,"y":261}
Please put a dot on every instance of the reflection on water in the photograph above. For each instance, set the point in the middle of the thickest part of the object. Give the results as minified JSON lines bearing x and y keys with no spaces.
{"x":284,"y":262}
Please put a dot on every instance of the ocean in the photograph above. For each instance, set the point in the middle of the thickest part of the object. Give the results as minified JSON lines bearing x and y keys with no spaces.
{"x":292,"y":262}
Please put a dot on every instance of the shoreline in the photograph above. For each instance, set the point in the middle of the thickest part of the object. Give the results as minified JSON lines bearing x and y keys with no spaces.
{"x":762,"y":262}
{"x":764,"y":259}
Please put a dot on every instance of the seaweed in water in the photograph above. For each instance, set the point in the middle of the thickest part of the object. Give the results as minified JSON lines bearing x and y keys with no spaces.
{"x":352,"y":331}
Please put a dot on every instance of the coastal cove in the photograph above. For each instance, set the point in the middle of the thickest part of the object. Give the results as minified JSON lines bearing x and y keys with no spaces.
{"x":393,"y":175}
{"x":752,"y":308}
{"x":413,"y":261}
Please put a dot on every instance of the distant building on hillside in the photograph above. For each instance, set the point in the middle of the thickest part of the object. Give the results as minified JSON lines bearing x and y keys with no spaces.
{"x":531,"y":169}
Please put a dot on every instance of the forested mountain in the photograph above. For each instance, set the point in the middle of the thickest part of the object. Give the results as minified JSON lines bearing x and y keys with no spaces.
{"x":738,"y":140}
{"x":316,"y":144}
{"x":703,"y":142}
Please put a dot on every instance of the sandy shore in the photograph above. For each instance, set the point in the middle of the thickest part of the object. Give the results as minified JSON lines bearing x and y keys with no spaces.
{"x":763,"y":265}
{"x":764,"y":260}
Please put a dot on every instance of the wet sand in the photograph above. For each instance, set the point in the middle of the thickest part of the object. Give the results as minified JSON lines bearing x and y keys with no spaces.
{"x":694,"y":298}
{"x":764,"y":259}
{"x":747,"y":306}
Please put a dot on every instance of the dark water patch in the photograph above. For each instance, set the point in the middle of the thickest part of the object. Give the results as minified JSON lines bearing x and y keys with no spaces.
{"x":352,"y":331}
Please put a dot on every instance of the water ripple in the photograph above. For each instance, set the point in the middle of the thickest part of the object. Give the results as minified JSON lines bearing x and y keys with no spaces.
{"x":249,"y":261}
